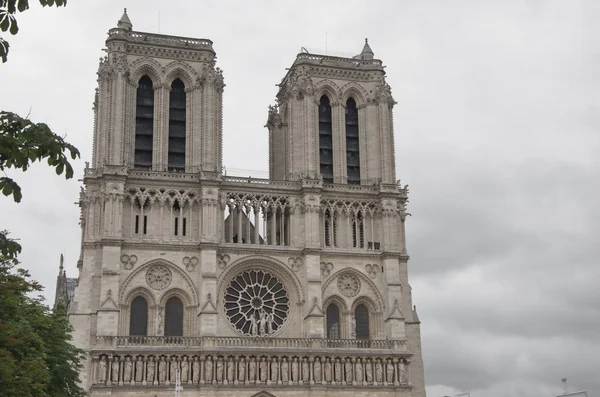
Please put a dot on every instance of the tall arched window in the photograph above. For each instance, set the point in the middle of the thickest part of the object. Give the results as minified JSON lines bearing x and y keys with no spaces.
{"x":361,"y":315}
{"x":333,"y":322}
{"x":138,"y":320}
{"x":174,"y":317}
{"x":325,"y":140}
{"x":176,"y":153}
{"x":144,"y":123}
{"x":352,"y":146}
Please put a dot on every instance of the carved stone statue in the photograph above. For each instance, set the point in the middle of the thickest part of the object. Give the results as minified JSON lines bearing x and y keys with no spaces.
{"x":353,"y":328}
{"x":285,"y":371}
{"x":402,"y":376}
{"x":242,"y":370}
{"x":174,"y":368}
{"x":274,"y":370}
{"x":128,"y":370}
{"x":359,"y":370}
{"x":115,"y":370}
{"x":270,"y":322}
{"x":195,"y":371}
{"x":252,"y":370}
{"x":348,"y":370}
{"x":305,"y":370}
{"x":139,"y":370}
{"x":317,"y":370}
{"x":369,"y":371}
{"x":208,"y":369}
{"x":102,"y":370}
{"x":337,"y":371}
{"x":378,"y":372}
{"x":254,"y":325}
{"x":327,"y":371}
{"x":159,"y":327}
{"x":162,"y":370}
{"x":230,"y":369}
{"x":389,"y":369}
{"x":262,"y":322}
{"x":264,"y":369}
{"x":295,"y":370}
{"x":150,"y":367}
{"x":185,"y":368}
{"x":219,"y":369}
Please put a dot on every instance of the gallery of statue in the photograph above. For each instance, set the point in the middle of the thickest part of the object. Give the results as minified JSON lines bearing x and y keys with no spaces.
{"x":294,"y":285}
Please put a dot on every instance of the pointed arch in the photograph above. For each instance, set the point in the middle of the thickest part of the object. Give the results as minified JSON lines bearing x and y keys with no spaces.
{"x":177,"y":125}
{"x":328,"y":88}
{"x":146,"y":66}
{"x":355,"y":91}
{"x":184,"y":72}
{"x":367,"y":288}
{"x":325,"y":139}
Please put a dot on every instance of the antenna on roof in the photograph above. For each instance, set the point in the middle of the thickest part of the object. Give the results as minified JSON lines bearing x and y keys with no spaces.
{"x":325,"y":43}
{"x":158,"y":21}
{"x":304,"y":50}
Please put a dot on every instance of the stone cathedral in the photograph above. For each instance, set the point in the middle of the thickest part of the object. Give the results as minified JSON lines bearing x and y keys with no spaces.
{"x":195,"y":283}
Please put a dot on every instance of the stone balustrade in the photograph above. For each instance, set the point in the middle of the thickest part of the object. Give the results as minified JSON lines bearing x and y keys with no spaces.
{"x":291,"y":370}
{"x":209,"y":342}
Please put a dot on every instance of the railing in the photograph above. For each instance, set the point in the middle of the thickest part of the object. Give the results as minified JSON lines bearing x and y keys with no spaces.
{"x":153,"y":38}
{"x":251,"y":342}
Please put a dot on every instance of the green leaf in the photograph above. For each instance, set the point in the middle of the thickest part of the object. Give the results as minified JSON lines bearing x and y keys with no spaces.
{"x":4,"y":46}
{"x":4,"y":20}
{"x":14,"y":28}
{"x":7,"y":189}
{"x":23,"y":5}
{"x":59,"y":169}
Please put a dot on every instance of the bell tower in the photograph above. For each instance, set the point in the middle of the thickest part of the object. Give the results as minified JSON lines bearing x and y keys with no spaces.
{"x":334,"y":119}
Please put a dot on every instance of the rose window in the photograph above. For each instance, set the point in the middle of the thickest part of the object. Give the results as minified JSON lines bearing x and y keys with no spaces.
{"x":256,"y":303}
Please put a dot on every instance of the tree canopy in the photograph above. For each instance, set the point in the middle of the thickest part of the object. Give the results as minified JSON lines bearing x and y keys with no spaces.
{"x":36,"y":357}
{"x":8,"y":19}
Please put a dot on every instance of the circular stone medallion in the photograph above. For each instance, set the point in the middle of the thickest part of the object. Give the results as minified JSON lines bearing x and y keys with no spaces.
{"x":158,"y":277}
{"x":349,"y":285}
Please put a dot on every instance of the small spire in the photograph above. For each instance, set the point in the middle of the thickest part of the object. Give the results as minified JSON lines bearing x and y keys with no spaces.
{"x":62,"y":260}
{"x":125,"y":22}
{"x":367,"y":52}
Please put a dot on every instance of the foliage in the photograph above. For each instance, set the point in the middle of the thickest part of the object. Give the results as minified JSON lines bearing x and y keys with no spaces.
{"x":8,"y":20}
{"x":36,"y":358}
{"x":23,"y":142}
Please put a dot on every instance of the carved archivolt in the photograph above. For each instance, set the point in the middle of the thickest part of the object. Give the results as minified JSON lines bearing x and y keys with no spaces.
{"x":351,"y":207}
{"x":328,"y":88}
{"x":162,"y":196}
{"x":183,"y":71}
{"x":146,"y":66}
{"x":148,"y":274}
{"x":262,"y":201}
{"x":366,"y":287}
{"x":354,"y":90}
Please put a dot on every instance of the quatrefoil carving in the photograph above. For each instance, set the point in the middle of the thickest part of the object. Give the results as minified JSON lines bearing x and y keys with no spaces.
{"x":372,"y":270}
{"x":223,"y":261}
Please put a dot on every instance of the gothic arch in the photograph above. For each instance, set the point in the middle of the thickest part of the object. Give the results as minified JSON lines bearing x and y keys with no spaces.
{"x":354,"y":90}
{"x":328,"y":88}
{"x":143,"y":292}
{"x":183,"y":71}
{"x":339,"y":301}
{"x":178,"y":293}
{"x":146,"y":66}
{"x":263,"y":394}
{"x":364,"y":300}
{"x":368,"y":288}
{"x":180,"y":280}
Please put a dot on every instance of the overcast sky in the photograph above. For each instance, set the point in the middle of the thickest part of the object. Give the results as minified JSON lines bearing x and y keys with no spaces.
{"x":496,"y":134}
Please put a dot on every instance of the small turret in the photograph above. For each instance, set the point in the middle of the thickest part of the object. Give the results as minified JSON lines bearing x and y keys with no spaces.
{"x":124,"y":22}
{"x":367,"y":53}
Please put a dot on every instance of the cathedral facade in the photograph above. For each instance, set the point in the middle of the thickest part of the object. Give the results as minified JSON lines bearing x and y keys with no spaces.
{"x":189,"y":279}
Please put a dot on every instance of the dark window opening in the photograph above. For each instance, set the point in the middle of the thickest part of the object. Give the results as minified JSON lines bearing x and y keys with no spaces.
{"x":352,"y":143}
{"x":177,"y":116}
{"x":145,"y":224}
{"x":138,"y":320}
{"x":333,"y":322}
{"x":174,"y":317}
{"x":361,"y":315}
{"x":176,"y":225}
{"x":144,"y":124}
{"x":358,"y":232}
{"x":325,"y":140}
{"x":137,"y":224}
{"x":183,"y":227}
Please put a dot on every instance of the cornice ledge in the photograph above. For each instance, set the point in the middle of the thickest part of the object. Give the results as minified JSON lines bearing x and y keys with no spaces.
{"x":226,"y":248}
{"x":391,"y":254}
{"x":161,"y":246}
{"x":362,"y":254}
{"x":111,"y":242}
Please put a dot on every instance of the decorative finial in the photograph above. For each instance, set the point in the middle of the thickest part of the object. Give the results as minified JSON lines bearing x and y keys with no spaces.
{"x":62,"y":260}
{"x":366,"y":41}
{"x":125,"y":10}
{"x":415,"y":307}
